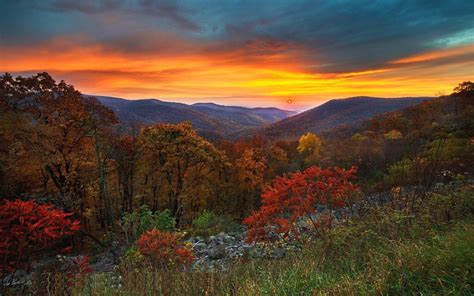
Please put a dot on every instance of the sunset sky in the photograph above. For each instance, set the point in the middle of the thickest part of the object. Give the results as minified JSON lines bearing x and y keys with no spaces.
{"x":251,"y":53}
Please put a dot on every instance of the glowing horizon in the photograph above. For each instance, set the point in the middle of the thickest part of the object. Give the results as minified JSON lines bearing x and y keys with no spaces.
{"x":183,"y":59}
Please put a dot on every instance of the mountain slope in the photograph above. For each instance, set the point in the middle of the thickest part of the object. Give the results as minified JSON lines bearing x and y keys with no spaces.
{"x":332,"y":114}
{"x":209,"y":119}
{"x":248,"y":117}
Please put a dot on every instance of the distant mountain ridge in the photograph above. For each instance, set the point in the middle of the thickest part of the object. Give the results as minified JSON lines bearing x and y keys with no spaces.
{"x":211,"y":120}
{"x":332,"y":114}
{"x":218,"y":122}
{"x":249,"y":117}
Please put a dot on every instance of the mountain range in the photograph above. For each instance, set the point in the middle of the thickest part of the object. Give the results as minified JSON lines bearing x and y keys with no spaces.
{"x":332,"y":114}
{"x":217,"y":121}
{"x":209,"y":119}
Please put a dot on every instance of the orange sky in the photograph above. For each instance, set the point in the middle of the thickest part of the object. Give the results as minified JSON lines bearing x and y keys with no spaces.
{"x":237,"y":77}
{"x":248,"y":53}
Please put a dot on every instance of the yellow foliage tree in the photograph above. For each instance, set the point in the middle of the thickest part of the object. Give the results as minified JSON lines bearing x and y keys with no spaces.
{"x":181,"y":158}
{"x":393,"y":135}
{"x":310,"y":144}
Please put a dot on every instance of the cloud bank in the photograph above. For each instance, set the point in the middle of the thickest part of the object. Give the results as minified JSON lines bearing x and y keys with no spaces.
{"x":264,"y":50}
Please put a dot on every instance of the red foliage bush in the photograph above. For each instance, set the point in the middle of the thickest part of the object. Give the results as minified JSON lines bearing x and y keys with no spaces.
{"x":163,"y":248}
{"x":27,"y":227}
{"x":292,"y":197}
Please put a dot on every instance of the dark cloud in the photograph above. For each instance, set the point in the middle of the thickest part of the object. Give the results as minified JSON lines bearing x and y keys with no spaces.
{"x":170,"y":10}
{"x":358,"y":35}
{"x":85,"y":6}
{"x":164,"y":9}
{"x":337,"y":36}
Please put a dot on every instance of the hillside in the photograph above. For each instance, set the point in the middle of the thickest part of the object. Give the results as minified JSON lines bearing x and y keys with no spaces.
{"x":250,"y":117}
{"x":334,"y":113}
{"x":209,"y":119}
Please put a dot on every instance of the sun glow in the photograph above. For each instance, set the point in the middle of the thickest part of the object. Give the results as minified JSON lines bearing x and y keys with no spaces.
{"x":230,"y":78}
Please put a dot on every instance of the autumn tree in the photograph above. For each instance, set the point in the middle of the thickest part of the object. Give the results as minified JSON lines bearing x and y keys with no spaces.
{"x":60,"y":129}
{"x":181,"y":158}
{"x":310,"y":145}
{"x":295,"y":196}
{"x":124,"y":151}
{"x":250,"y":169}
{"x":278,"y":161}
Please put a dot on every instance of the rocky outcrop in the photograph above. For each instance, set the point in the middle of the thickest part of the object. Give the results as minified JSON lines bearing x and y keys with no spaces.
{"x":217,"y":251}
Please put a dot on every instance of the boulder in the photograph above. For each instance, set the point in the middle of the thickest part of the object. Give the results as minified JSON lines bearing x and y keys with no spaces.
{"x":216,"y":252}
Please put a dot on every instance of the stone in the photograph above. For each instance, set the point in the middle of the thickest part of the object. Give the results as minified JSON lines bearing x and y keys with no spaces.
{"x":199,"y":246}
{"x":229,"y":239}
{"x":217,"y":252}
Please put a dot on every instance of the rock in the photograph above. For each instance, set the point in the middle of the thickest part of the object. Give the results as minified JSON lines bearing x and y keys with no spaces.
{"x":105,"y":262}
{"x":240,"y":236}
{"x":228,"y":239}
{"x":217,"y":252}
{"x":16,"y":279}
{"x":199,"y":246}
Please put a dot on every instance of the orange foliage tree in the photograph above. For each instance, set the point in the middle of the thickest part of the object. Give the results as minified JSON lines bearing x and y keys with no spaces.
{"x":250,"y":168}
{"x":124,"y":151}
{"x":58,"y":129}
{"x":296,"y":196}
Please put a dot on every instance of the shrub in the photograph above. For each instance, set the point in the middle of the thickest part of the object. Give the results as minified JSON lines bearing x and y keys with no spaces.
{"x":162,"y":248}
{"x":132,"y":258}
{"x":204,"y":219}
{"x":400,"y":173}
{"x":296,"y":196}
{"x":164,"y":221}
{"x":27,"y":227}
{"x":136,"y":223}
{"x":208,"y":223}
{"x":450,"y":204}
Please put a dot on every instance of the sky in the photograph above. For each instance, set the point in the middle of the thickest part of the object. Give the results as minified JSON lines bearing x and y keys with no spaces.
{"x":287,"y":54}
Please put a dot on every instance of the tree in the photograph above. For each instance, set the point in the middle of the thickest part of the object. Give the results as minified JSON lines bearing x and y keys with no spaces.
{"x":124,"y":150}
{"x":310,"y":144}
{"x":60,"y":128}
{"x":466,"y":88}
{"x":250,"y":169}
{"x":296,"y":196}
{"x":393,"y":135}
{"x":278,"y":161}
{"x":181,"y":158}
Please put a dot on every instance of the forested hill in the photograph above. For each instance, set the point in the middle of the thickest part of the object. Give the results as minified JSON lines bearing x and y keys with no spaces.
{"x":212,"y":120}
{"x":334,"y":113}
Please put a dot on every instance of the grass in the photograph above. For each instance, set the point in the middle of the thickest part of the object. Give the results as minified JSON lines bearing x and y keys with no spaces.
{"x":384,"y":252}
{"x":357,"y":260}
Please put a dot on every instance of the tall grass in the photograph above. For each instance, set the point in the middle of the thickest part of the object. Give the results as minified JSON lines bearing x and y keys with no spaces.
{"x":386,"y":252}
{"x":364,"y":262}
